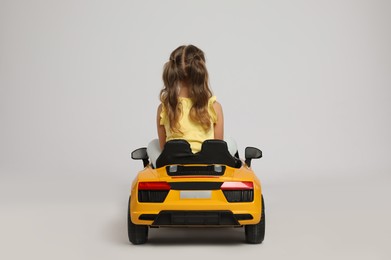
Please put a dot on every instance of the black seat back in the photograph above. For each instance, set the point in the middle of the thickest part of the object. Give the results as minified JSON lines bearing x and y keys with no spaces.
{"x":174,"y":152}
{"x":212,"y":152}
{"x":216,"y":152}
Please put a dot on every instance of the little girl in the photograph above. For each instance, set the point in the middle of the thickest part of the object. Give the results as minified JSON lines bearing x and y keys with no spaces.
{"x":188,"y":110}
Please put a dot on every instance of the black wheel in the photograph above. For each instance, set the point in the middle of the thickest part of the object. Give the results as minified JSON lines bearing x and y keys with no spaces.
{"x":256,"y":233}
{"x":138,"y":234}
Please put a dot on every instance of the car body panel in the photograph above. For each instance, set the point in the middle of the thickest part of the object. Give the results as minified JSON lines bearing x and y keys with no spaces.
{"x":216,"y":202}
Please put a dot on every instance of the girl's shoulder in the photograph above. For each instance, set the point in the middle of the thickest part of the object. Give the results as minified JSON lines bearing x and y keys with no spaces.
{"x":162,"y":114}
{"x":212,"y":99}
{"x":213,"y":108}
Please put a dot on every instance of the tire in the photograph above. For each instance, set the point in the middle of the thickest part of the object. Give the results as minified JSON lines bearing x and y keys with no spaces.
{"x":256,"y":233}
{"x":138,"y":234}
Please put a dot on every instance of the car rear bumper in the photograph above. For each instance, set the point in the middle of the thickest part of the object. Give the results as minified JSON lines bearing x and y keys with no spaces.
{"x":215,"y":211}
{"x":196,"y":218}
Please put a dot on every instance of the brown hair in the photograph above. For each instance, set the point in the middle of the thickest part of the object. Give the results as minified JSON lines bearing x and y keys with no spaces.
{"x":186,"y":66}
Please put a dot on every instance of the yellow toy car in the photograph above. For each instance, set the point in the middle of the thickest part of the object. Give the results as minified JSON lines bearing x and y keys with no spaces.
{"x":211,"y":188}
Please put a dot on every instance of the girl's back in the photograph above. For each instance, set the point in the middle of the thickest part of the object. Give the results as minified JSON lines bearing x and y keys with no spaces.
{"x":189,"y":110}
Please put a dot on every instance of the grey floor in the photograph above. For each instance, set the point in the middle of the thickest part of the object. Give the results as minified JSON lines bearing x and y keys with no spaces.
{"x":79,"y":218}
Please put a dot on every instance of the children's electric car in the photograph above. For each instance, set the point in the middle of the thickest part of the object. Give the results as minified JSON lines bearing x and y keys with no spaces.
{"x":211,"y":188}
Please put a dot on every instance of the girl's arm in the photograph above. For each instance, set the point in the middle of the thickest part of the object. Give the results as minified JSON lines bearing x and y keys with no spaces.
{"x":161,"y":131}
{"x":219,"y":125}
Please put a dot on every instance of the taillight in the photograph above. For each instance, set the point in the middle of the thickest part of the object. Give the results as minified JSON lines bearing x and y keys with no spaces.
{"x":238,"y":191}
{"x":236,"y":185}
{"x":153,"y":186}
{"x":153,"y":191}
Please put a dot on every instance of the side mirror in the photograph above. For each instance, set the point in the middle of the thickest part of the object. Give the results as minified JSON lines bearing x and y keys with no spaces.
{"x":141,"y":154}
{"x":251,"y":153}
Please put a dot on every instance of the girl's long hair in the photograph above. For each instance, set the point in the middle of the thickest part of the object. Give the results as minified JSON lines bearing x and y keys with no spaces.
{"x":186,"y":66}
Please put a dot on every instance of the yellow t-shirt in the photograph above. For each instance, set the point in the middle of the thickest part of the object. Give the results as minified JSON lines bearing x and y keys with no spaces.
{"x":190,"y":130}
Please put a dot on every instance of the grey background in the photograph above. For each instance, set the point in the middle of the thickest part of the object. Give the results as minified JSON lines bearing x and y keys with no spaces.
{"x":308,"y":82}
